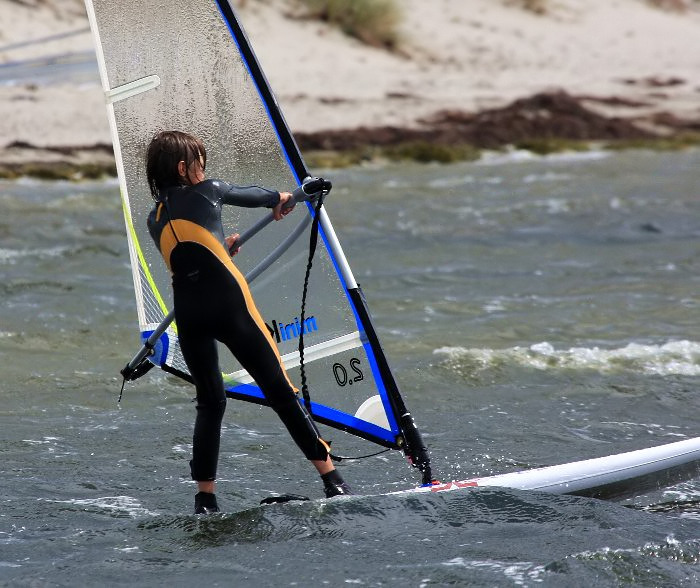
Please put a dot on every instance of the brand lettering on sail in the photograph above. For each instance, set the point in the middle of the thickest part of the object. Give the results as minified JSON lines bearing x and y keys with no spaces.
{"x":283,"y":331}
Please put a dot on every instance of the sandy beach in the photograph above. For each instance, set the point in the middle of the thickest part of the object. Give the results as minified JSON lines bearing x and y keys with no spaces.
{"x":623,"y":59}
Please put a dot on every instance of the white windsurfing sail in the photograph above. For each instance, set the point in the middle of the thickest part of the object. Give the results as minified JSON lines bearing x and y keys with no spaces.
{"x":189,"y":66}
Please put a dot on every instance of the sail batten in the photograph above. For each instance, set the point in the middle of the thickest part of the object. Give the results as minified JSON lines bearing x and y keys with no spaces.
{"x":313,"y":353}
{"x":132,"y":88}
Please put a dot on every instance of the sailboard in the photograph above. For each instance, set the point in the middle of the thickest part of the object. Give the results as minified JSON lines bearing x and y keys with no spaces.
{"x":189,"y":66}
{"x":612,"y":477}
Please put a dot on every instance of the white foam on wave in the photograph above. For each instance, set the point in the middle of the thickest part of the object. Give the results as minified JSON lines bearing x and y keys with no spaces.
{"x":525,"y":156}
{"x":546,"y":177}
{"x":672,"y":358}
{"x":112,"y":504}
{"x":685,"y":492}
{"x":464,"y":180}
{"x":519,"y":573}
{"x":670,"y":549}
{"x":11,"y":256}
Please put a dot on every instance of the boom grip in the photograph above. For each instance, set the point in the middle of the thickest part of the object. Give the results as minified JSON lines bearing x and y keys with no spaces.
{"x":311,"y":188}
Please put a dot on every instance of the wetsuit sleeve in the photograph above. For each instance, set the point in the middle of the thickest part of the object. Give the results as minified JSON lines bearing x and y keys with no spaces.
{"x":154,"y":227}
{"x":248,"y":196}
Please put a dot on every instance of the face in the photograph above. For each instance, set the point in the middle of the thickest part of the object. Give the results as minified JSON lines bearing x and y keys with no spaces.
{"x":195,"y":173}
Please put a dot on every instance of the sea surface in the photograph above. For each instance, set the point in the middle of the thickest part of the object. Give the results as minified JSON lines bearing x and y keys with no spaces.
{"x":536,"y":310}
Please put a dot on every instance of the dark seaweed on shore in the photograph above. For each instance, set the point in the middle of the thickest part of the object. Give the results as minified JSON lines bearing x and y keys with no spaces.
{"x":544,"y":123}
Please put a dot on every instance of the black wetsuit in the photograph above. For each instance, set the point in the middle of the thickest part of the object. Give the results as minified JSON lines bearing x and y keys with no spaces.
{"x":213,"y":303}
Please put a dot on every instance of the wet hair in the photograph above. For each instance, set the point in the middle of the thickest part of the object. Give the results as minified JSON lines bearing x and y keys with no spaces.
{"x":164,"y":152}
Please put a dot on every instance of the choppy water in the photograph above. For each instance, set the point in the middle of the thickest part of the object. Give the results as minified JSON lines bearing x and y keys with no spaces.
{"x":536,"y":311}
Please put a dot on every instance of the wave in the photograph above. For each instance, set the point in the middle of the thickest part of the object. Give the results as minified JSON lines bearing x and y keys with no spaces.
{"x":115,"y":506}
{"x":12,"y":256}
{"x":672,"y":358}
{"x":28,"y":195}
{"x":525,"y":156}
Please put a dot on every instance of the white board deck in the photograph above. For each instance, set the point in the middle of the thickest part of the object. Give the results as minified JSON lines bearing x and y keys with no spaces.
{"x":610,"y":477}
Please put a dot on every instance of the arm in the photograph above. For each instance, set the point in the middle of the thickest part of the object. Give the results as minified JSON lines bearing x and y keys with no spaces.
{"x":281,"y":203}
{"x":248,"y":196}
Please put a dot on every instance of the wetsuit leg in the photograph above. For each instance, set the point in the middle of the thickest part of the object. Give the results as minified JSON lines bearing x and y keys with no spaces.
{"x":200,"y":353}
{"x":246,"y":336}
{"x":272,"y":380}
